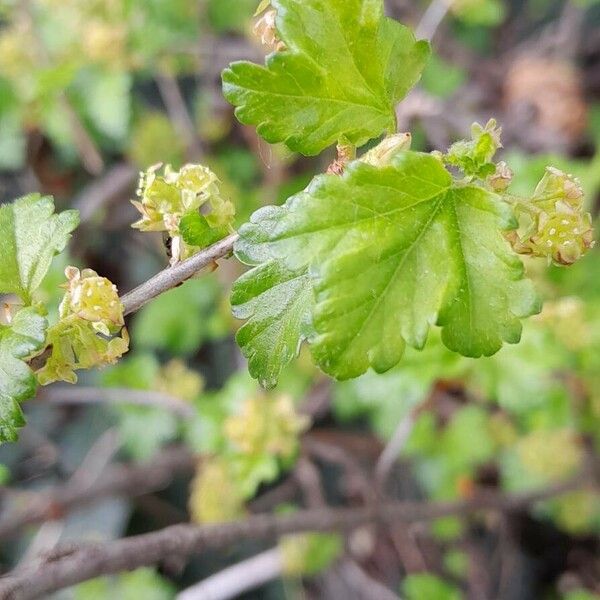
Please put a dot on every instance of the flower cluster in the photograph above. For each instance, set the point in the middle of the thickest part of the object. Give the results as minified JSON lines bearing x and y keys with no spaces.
{"x":559,"y":228}
{"x":214,"y":495}
{"x":165,"y":198}
{"x":266,"y":425}
{"x":474,"y":157}
{"x":550,"y":454}
{"x":177,"y":380}
{"x":92,"y":298}
{"x":90,"y":331}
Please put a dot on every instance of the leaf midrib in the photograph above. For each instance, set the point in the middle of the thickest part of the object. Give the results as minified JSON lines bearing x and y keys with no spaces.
{"x":435,"y":212}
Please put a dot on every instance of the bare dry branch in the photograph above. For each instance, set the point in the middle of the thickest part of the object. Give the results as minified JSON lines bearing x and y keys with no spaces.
{"x":75,"y":396}
{"x":121,"y":480}
{"x":114,"y":183}
{"x":87,"y":561}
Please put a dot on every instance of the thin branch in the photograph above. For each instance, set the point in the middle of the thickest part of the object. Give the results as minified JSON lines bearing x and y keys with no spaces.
{"x":121,"y":480}
{"x":237,"y":579}
{"x":87,"y":561}
{"x":356,"y":481}
{"x":90,"y":155}
{"x":179,"y":115}
{"x":114,"y":183}
{"x":362,"y":582}
{"x":400,"y":438}
{"x":176,"y":275}
{"x":75,"y":396}
{"x":394,"y":447}
{"x":91,"y":468}
{"x":432,"y":19}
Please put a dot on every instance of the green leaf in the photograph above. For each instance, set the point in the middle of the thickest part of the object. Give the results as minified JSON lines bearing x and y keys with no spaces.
{"x":30,"y":235}
{"x":141,"y":583}
{"x":25,"y":335}
{"x":392,"y":251}
{"x":309,"y":553}
{"x":230,"y":15}
{"x":345,"y":68}
{"x":196,"y":231}
{"x":421,"y":586}
{"x":386,"y":399}
{"x":276,"y":302}
{"x":106,"y":101}
{"x":442,"y":78}
{"x":487,"y":13}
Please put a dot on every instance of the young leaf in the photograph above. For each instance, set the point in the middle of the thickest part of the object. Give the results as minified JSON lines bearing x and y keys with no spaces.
{"x":344,"y":69}
{"x":24,"y":336}
{"x":276,"y":302}
{"x":30,"y":235}
{"x":196,"y":231}
{"x":394,"y":250}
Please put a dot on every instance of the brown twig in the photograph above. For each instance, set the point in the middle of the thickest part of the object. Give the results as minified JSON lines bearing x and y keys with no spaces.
{"x":363,"y":583}
{"x":432,"y":19}
{"x":77,"y":396}
{"x":173,"y":276}
{"x":93,"y":560}
{"x":113,"y":184}
{"x":121,"y":480}
{"x":179,"y":115}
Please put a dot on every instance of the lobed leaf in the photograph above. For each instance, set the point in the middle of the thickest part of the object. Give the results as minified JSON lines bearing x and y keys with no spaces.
{"x":391,"y":251}
{"x":30,"y":235}
{"x":344,"y":69}
{"x":276,"y":302}
{"x":23,"y":337}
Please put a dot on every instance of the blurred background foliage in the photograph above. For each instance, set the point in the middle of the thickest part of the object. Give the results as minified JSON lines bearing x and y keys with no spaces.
{"x":92,"y":91}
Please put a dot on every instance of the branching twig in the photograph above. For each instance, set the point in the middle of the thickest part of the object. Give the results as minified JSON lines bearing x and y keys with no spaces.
{"x":92,"y":560}
{"x":36,"y":507}
{"x":92,"y":466}
{"x":174,"y":276}
{"x":399,"y":439}
{"x":237,"y":579}
{"x":62,"y":396}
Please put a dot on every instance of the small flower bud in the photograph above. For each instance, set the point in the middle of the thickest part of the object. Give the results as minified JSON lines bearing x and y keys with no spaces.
{"x":474,"y":157}
{"x":502,"y":178}
{"x":558,"y":186}
{"x":92,"y":298}
{"x":563,"y":236}
{"x":382,"y":155}
{"x":266,"y":30}
{"x":558,"y":229}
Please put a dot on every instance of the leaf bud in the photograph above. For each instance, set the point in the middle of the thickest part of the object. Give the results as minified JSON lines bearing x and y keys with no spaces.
{"x":382,"y":154}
